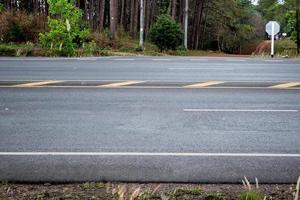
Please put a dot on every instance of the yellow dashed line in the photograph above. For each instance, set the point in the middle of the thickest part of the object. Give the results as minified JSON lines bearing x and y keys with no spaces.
{"x":286,"y":85}
{"x":205,"y":84}
{"x":120,"y":84}
{"x":37,"y":84}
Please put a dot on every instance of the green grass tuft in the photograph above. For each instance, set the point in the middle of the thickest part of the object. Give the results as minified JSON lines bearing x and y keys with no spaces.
{"x":251,"y":195}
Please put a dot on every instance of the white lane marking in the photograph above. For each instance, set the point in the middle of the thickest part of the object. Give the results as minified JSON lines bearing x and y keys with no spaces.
{"x":88,"y":59}
{"x":235,"y":60}
{"x":273,"y":60}
{"x":148,"y":154}
{"x":161,"y":59}
{"x":124,"y":59}
{"x":235,"y":110}
{"x":199,"y":68}
{"x":195,"y":59}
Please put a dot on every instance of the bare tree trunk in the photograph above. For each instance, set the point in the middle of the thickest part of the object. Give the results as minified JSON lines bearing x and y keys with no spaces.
{"x":113,"y":16}
{"x":148,"y":15}
{"x":174,"y":8}
{"x":101,"y":10}
{"x":134,"y":16}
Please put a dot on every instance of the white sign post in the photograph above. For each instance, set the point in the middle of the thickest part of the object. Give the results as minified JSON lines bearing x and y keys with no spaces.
{"x":272,"y":28}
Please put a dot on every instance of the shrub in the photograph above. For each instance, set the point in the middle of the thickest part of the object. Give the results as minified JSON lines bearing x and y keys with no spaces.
{"x":20,"y":26}
{"x":166,"y":33}
{"x":90,"y":48}
{"x":65,"y":31}
{"x":103,"y":39}
{"x":286,"y":47}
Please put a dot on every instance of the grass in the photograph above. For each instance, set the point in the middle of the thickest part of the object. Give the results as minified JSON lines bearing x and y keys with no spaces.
{"x":251,"y":195}
{"x":126,"y":47}
{"x":195,"y":193}
{"x":92,"y":186}
{"x":16,"y":49}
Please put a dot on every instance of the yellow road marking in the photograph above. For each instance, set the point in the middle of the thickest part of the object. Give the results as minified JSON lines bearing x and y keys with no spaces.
{"x":120,"y":84}
{"x":37,"y":84}
{"x":205,"y":84}
{"x":286,"y":85}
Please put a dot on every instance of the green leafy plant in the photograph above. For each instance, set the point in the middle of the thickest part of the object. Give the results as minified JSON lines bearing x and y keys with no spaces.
{"x":166,"y":33}
{"x":65,"y":32}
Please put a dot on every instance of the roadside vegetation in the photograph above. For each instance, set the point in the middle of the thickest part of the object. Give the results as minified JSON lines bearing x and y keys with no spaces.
{"x":151,"y":191}
{"x":111,"y":27}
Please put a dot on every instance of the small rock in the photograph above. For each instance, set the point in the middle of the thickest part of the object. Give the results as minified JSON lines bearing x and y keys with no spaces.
{"x":47,"y":184}
{"x":6,"y":109}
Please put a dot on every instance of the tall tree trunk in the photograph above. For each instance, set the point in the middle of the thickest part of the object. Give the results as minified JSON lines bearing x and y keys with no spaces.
{"x":113,"y":16}
{"x":101,"y":10}
{"x":122,"y":17}
{"x":134,"y":17}
{"x":174,"y":8}
{"x":198,"y":13}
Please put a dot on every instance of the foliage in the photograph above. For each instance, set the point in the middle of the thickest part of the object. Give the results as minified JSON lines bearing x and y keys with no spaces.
{"x":1,"y":7}
{"x":166,"y":33}
{"x":234,"y":27}
{"x":19,"y":26}
{"x":286,"y":47}
{"x":282,"y":11}
{"x":251,"y":195}
{"x":16,"y":50}
{"x":65,"y":30}
{"x":90,"y":48}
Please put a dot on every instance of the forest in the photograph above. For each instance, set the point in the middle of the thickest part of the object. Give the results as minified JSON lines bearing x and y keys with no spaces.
{"x":230,"y":26}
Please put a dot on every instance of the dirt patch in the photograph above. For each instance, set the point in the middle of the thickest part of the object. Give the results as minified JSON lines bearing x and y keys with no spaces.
{"x":139,"y":191}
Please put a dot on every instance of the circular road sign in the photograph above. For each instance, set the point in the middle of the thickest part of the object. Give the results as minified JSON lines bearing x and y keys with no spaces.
{"x":269,"y":27}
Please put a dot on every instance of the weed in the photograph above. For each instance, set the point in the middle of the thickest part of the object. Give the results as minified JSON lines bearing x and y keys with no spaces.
{"x":3,"y":183}
{"x":68,"y":197}
{"x":143,"y":196}
{"x":214,"y":196}
{"x":183,"y":193}
{"x":43,"y":195}
{"x":250,"y":195}
{"x":92,"y":186}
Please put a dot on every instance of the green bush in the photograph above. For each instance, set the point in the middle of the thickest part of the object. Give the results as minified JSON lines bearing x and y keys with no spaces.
{"x":90,"y":48}
{"x":286,"y":47}
{"x":166,"y":33}
{"x":65,"y":31}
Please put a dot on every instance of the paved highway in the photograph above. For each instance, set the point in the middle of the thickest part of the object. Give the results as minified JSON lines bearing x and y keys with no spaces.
{"x":150,"y":68}
{"x":137,"y":119}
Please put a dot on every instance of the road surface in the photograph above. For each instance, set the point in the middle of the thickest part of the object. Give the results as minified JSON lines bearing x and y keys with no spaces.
{"x":158,"y":119}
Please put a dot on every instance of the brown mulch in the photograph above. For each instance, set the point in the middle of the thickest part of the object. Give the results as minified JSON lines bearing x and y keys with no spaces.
{"x":141,"y":191}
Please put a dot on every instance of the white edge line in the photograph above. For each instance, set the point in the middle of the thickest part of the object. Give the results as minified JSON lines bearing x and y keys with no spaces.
{"x":147,"y":154}
{"x":124,"y":59}
{"x":235,"y":110}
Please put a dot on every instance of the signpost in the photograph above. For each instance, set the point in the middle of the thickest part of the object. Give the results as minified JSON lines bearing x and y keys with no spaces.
{"x":272,"y":28}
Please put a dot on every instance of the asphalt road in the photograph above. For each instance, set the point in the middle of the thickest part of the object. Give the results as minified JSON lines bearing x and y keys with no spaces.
{"x":150,"y":68}
{"x":202,"y":134}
